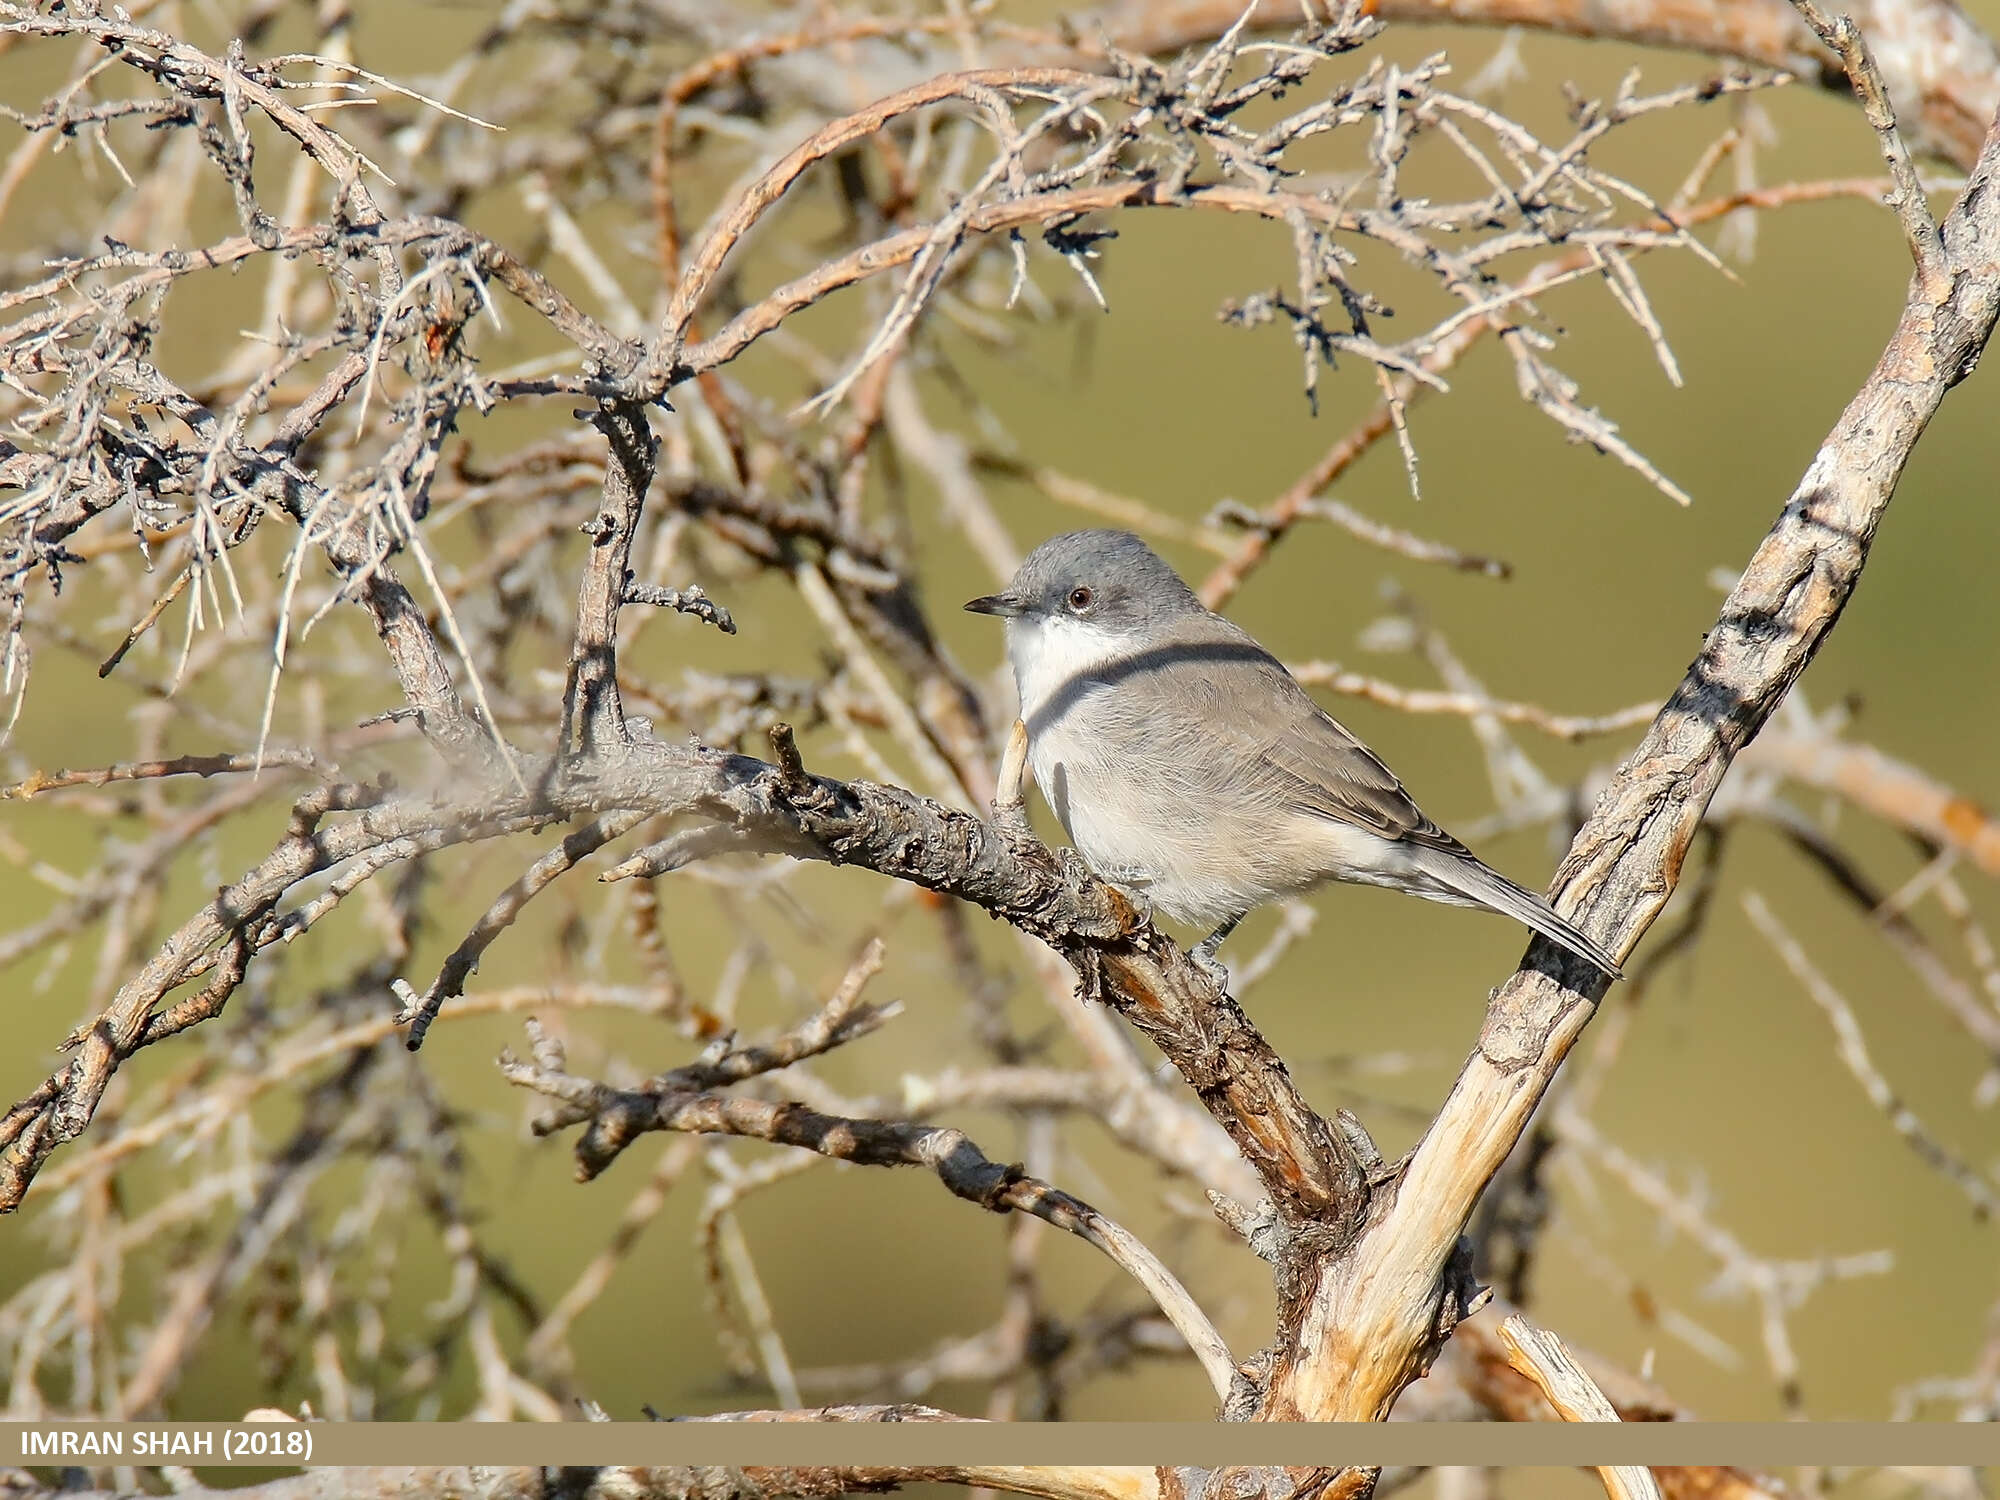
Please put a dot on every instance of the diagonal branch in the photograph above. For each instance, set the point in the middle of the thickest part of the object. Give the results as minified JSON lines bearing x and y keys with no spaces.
{"x":243,"y":917}
{"x":619,"y":1116}
{"x":1853,"y":1051}
{"x":1543,"y":1358}
{"x":1372,"y":1318}
{"x":419,"y":1013}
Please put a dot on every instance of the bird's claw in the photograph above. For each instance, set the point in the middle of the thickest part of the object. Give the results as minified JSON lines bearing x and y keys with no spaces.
{"x":1204,"y":953}
{"x":1216,"y":970}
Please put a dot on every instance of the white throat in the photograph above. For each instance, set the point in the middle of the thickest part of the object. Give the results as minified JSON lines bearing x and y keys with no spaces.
{"x":1048,"y":650}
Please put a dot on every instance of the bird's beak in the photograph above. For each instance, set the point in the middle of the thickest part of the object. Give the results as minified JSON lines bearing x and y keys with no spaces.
{"x":1007,"y":606}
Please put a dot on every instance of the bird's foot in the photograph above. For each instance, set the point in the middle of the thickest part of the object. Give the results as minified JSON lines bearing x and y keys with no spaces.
{"x":1214,"y":968}
{"x":1136,"y":894}
{"x":1133,"y":888}
{"x":1203,"y":954}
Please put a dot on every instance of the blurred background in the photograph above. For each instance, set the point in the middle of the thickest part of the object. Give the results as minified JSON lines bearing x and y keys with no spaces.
{"x":1727,"y":1087}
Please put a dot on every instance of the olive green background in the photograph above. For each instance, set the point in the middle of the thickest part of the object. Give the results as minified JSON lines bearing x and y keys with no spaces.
{"x":1728,"y":1084}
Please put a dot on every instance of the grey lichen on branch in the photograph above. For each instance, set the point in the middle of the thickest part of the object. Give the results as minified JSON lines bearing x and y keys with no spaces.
{"x":688,"y":601}
{"x":1947,"y":71}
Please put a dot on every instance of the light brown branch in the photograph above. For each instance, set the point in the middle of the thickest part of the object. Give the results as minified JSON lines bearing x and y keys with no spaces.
{"x":1541,"y":1357}
{"x":751,"y":204}
{"x":1890,"y":789}
{"x":1374,"y":1313}
{"x":1431,"y":701}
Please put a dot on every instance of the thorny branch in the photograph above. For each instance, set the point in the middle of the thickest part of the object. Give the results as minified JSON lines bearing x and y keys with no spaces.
{"x":343,"y":447}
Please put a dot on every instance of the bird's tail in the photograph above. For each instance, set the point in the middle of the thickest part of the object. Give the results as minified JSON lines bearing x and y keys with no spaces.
{"x":1464,"y":874}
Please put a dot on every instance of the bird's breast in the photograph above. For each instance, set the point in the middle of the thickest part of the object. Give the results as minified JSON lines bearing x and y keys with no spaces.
{"x":1141,"y":798}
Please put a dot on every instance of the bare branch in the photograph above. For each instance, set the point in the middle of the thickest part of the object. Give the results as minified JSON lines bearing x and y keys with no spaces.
{"x":503,"y":913}
{"x":245,"y":506}
{"x":1891,"y":789}
{"x":1913,"y":212}
{"x":592,"y":712}
{"x":1417,"y":701}
{"x":1541,"y":1357}
{"x":1854,"y":1054}
{"x":617,"y":1117}
{"x":1373,"y":1315}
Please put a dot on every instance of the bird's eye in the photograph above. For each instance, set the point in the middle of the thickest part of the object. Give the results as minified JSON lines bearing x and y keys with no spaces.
{"x":1079,"y":599}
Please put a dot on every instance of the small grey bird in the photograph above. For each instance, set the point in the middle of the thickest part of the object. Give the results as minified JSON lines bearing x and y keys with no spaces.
{"x":1188,"y":765}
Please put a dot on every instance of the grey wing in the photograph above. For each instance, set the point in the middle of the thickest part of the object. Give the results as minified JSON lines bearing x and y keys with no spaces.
{"x":1330,"y":772}
{"x":1293,"y":750}
{"x":1303,"y":755}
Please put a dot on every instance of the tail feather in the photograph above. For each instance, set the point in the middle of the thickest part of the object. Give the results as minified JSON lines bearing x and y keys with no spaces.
{"x":1465,"y":875}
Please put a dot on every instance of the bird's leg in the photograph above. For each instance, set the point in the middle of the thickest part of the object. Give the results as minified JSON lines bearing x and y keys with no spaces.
{"x":1204,"y":953}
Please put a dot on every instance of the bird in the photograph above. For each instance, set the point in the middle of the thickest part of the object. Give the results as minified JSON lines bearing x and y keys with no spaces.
{"x":1188,"y":766}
